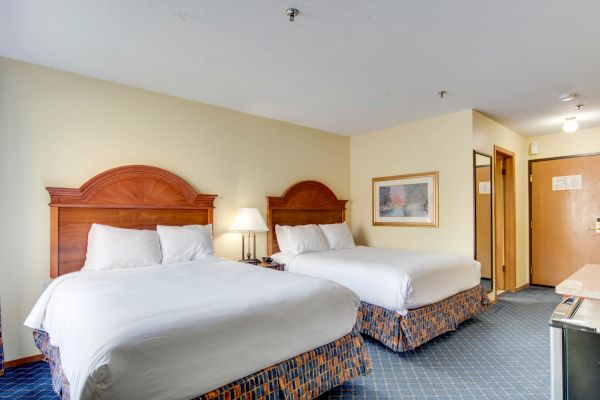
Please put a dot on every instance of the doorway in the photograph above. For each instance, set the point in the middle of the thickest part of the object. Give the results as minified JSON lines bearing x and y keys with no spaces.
{"x":564,"y":210}
{"x":505,"y":219}
{"x":484,"y":244}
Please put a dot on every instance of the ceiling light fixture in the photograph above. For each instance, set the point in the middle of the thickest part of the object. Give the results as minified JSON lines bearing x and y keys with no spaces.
{"x":292,"y":13}
{"x":570,"y":125}
{"x":567,"y":96}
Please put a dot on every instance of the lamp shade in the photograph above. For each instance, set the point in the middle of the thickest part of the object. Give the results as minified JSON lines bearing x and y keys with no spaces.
{"x":249,"y":220}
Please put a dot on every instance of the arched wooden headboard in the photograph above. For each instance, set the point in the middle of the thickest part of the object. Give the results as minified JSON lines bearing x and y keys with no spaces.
{"x":134,"y":196}
{"x":306,"y":202}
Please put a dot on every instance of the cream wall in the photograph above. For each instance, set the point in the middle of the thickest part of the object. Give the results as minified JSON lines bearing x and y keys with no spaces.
{"x":564,"y":144}
{"x":59,"y":129}
{"x":486,"y":134}
{"x":441,"y":144}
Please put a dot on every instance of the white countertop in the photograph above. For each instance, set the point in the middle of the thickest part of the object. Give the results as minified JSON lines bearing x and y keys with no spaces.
{"x":583,"y":283}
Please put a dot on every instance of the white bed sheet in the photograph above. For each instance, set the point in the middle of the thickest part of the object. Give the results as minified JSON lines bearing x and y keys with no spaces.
{"x":178,"y":331}
{"x":391,"y":278}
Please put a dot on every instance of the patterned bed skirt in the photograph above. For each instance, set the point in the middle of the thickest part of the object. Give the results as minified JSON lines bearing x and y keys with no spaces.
{"x":1,"y":349}
{"x":420,"y":325}
{"x":306,"y":376}
{"x":1,"y":356}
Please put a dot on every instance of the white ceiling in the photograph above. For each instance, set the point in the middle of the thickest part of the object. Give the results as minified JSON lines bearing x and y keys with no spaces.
{"x":345,"y":66}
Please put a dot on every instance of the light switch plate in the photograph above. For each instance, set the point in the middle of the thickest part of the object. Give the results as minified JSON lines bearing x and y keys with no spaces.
{"x":533,"y":148}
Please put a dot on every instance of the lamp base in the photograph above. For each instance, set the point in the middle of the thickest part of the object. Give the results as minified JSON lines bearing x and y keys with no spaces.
{"x":251,"y":261}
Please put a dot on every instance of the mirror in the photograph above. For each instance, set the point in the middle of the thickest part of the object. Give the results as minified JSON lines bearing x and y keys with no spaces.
{"x":482,"y":178}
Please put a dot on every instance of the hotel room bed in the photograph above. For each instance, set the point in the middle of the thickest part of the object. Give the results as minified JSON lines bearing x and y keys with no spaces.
{"x":177,"y":331}
{"x":407,"y":297}
{"x":209,"y":329}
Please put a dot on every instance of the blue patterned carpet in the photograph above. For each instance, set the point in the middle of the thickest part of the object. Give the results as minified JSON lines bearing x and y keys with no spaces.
{"x":487,"y":284}
{"x":503,"y":354}
{"x":30,"y":381}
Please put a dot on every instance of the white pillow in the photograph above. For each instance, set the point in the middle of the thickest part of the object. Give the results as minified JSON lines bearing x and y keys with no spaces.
{"x":185,"y":243}
{"x":305,"y":238}
{"x":110,"y":247}
{"x":284,"y":243}
{"x":338,"y":236}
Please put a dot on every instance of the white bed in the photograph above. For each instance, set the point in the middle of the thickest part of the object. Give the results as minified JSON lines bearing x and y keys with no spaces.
{"x":394,"y":279}
{"x":177,"y":331}
{"x":407,"y":297}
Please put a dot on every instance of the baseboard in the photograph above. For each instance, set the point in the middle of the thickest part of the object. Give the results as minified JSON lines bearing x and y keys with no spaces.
{"x":23,"y":361}
{"x":525,"y":286}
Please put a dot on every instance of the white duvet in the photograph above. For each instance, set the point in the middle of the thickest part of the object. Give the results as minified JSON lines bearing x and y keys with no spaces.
{"x":178,"y":331}
{"x":391,"y":278}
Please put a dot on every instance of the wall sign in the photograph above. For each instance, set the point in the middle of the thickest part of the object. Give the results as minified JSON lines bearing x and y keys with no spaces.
{"x":569,"y":182}
{"x":485,"y":187}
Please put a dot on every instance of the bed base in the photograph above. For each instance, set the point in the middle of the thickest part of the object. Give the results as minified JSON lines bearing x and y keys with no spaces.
{"x":1,"y":350}
{"x":420,"y":325}
{"x":306,"y":376}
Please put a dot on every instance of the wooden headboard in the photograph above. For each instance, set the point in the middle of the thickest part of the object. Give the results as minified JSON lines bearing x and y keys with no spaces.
{"x":134,"y":196}
{"x":306,"y":202}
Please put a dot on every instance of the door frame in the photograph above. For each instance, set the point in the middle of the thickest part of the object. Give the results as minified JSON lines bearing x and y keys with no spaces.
{"x":510,"y":243}
{"x":529,"y":200}
{"x":492,"y":222}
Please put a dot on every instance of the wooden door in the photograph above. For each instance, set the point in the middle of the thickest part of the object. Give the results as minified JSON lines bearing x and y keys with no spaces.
{"x":483,"y":219}
{"x":563,"y":217}
{"x":505,"y":219}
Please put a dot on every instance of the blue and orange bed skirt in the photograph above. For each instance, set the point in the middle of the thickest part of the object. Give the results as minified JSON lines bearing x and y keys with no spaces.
{"x":404,"y":333}
{"x":306,"y":376}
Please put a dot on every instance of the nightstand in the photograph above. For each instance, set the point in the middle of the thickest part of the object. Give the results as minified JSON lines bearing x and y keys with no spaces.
{"x":274,"y":265}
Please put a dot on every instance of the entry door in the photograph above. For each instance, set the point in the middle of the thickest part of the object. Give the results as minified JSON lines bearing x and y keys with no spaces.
{"x":565,"y":203}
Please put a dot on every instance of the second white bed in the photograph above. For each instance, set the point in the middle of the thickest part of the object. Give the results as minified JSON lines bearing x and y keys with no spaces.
{"x":394,"y":279}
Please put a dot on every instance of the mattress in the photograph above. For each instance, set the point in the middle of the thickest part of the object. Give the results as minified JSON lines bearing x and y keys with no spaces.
{"x":398,"y":280}
{"x":178,"y":331}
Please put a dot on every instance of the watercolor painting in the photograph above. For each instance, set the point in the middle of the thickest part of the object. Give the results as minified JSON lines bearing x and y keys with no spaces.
{"x":409,"y":200}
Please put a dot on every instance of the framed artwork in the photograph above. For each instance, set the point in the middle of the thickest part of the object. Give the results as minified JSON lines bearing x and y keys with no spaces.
{"x":406,"y":200}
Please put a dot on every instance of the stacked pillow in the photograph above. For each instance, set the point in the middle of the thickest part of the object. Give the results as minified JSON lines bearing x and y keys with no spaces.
{"x":310,"y":238}
{"x":111,"y":248}
{"x":300,"y":239}
{"x":185,"y":243}
{"x":338,"y":236}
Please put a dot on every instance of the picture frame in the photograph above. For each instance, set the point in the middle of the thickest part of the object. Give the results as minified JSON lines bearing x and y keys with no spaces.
{"x":406,"y":200}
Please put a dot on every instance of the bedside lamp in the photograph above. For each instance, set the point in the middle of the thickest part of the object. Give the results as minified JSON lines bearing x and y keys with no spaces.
{"x":251,"y":221}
